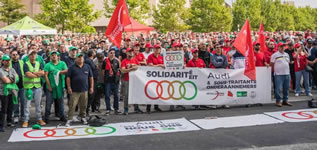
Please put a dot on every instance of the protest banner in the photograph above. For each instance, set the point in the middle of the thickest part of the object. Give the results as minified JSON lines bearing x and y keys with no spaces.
{"x":194,"y":86}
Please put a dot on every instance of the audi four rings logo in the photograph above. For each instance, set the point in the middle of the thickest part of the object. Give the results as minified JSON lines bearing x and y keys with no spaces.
{"x":68,"y":132}
{"x":301,"y":115}
{"x":173,"y":57}
{"x":170,"y":90}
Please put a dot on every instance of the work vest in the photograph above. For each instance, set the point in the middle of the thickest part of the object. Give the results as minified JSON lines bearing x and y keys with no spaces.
{"x":21,"y":63}
{"x":29,"y":83}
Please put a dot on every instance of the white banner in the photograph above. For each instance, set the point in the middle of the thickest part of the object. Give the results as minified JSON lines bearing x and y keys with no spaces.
{"x":117,"y":129}
{"x":174,"y":59}
{"x":194,"y":86}
{"x":301,"y":115}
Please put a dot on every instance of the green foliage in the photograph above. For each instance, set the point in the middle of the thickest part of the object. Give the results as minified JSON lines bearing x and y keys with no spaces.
{"x":11,"y":11}
{"x":170,"y":15}
{"x":71,"y":15}
{"x":243,"y":9}
{"x":207,"y":16}
{"x":138,"y":9}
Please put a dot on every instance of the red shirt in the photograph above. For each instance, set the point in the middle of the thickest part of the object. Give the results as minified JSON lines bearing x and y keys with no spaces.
{"x":140,"y":57}
{"x":300,"y":63}
{"x":125,"y":64}
{"x":226,"y":50}
{"x":196,"y":63}
{"x":268,"y":55}
{"x":155,"y":60}
{"x":259,"y":59}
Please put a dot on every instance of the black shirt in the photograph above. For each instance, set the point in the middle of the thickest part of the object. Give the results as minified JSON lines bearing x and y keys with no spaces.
{"x":69,"y":61}
{"x":17,"y":68}
{"x":205,"y":56}
{"x":79,"y":77}
{"x":123,"y":55}
{"x":115,"y":69}
{"x":290,"y":54}
{"x":93,"y":67}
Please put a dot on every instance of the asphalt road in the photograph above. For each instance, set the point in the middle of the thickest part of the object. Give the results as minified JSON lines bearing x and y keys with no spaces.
{"x":277,"y":136}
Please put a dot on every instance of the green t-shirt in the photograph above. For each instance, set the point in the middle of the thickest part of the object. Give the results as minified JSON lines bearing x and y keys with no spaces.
{"x":51,"y":68}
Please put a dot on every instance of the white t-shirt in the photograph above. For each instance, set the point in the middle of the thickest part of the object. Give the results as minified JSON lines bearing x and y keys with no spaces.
{"x":146,"y":55}
{"x":281,"y":63}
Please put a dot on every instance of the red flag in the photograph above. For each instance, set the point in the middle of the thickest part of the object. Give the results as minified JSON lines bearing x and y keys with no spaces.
{"x":120,"y":18}
{"x":243,"y":44}
{"x":261,"y":38}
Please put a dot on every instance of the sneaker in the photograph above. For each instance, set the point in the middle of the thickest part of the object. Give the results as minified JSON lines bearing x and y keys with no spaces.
{"x":296,"y":94}
{"x":226,"y":106}
{"x":63,"y":119}
{"x":180,"y":107}
{"x":68,"y":123}
{"x":75,"y":119}
{"x":158,"y":109}
{"x":107,"y":113}
{"x":309,"y":94}
{"x":117,"y":112}
{"x":25,"y":124}
{"x":287,"y":104}
{"x":279,"y":104}
{"x":16,"y":120}
{"x":9,"y":124}
{"x":138,"y":111}
{"x":41,"y":122}
{"x":84,"y":121}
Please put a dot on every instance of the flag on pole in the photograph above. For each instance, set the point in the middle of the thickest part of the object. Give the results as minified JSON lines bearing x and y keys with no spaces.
{"x":261,"y":38}
{"x":120,"y":18}
{"x":243,"y":44}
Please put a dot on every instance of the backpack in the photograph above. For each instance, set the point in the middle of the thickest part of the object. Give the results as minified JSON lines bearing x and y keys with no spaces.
{"x":96,"y":121}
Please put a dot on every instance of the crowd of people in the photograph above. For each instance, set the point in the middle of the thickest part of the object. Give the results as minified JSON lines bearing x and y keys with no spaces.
{"x":89,"y":67}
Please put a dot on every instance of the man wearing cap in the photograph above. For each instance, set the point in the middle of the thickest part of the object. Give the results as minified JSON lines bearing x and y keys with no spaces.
{"x":196,"y":61}
{"x":111,"y":77}
{"x":103,"y":47}
{"x":62,"y":52}
{"x":17,"y":65}
{"x":89,"y":61}
{"x":38,"y":58}
{"x":33,"y":71}
{"x":78,"y":76}
{"x":155,"y":60}
{"x":100,"y":83}
{"x":70,"y":59}
{"x":148,"y":50}
{"x":54,"y":73}
{"x":280,"y":61}
{"x":204,"y":54}
{"x":259,"y":56}
{"x":129,"y":64}
{"x":290,"y":50}
{"x":138,"y":55}
{"x":7,"y":76}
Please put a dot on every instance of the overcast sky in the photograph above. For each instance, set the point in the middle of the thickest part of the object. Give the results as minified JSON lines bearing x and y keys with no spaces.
{"x":311,"y":3}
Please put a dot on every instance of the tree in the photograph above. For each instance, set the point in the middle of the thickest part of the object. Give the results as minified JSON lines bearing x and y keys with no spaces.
{"x":243,"y":9}
{"x":286,"y":20}
{"x":138,"y":9}
{"x":207,"y":16}
{"x":303,"y":19}
{"x":170,"y":15}
{"x":270,"y":14}
{"x":11,"y":11}
{"x":71,"y":15}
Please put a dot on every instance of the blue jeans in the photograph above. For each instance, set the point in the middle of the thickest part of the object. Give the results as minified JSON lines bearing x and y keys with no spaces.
{"x":20,"y":104}
{"x":299,"y":75}
{"x":112,"y":87}
{"x":37,"y":97}
{"x":49,"y":102}
{"x":281,"y":81}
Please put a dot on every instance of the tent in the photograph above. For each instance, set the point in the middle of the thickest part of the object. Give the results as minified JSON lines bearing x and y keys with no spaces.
{"x":27,"y":26}
{"x":136,"y":27}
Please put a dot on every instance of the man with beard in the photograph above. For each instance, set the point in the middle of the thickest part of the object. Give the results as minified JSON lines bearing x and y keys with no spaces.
{"x":204,"y":54}
{"x":290,"y":52}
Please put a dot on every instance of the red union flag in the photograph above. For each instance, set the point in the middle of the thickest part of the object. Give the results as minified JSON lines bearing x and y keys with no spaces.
{"x":120,"y":18}
{"x":261,"y":38}
{"x":243,"y":44}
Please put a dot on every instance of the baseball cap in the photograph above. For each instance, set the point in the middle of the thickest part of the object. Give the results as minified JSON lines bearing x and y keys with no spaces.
{"x":137,"y":44}
{"x":129,"y":49}
{"x":280,"y":44}
{"x":157,"y":46}
{"x":194,"y":50}
{"x":52,"y":52}
{"x":79,"y":54}
{"x":309,"y":41}
{"x":148,"y":45}
{"x":28,"y":94}
{"x":297,"y":45}
{"x":73,"y":48}
{"x":174,"y":45}
{"x":5,"y":57}
{"x":180,"y":45}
